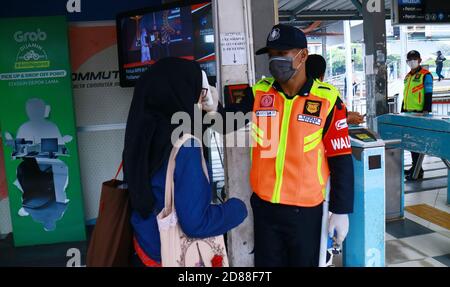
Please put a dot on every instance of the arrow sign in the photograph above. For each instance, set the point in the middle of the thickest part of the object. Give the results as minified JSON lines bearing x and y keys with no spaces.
{"x":233,"y":47}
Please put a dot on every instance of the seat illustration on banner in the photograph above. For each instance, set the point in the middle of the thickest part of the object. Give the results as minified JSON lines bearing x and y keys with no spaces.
{"x":41,"y":176}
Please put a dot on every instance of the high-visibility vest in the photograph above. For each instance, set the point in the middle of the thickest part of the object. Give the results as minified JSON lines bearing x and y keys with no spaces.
{"x":289,"y":164}
{"x":414,"y":91}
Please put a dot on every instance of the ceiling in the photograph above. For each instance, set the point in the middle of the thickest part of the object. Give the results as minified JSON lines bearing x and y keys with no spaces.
{"x":303,"y":13}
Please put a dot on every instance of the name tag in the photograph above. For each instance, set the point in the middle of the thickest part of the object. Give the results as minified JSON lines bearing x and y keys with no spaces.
{"x":270,"y":113}
{"x":309,"y":119}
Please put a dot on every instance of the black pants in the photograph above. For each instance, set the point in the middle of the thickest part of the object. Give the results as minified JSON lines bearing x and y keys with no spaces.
{"x":439,"y":71}
{"x":415,"y":159}
{"x":286,"y":235}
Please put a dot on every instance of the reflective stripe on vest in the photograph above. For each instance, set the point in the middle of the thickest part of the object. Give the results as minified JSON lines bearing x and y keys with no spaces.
{"x":289,"y":165}
{"x":414,"y":92}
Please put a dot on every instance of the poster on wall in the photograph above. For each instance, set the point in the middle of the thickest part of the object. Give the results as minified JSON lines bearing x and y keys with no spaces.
{"x":38,"y":130}
{"x":101,"y":106}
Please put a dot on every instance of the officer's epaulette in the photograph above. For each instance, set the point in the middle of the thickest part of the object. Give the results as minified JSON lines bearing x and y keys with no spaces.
{"x":324,"y":87}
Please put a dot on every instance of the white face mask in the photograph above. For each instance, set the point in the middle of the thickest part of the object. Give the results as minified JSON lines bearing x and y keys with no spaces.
{"x":413,"y":64}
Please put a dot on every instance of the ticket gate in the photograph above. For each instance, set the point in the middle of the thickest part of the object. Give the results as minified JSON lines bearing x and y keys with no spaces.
{"x":364,"y":245}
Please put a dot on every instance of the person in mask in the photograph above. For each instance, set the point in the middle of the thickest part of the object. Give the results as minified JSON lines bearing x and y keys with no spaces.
{"x":301,"y":143}
{"x":158,"y":95}
{"x":417,"y":97}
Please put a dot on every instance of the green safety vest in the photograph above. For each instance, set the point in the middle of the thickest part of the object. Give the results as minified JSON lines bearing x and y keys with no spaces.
{"x":414,"y":92}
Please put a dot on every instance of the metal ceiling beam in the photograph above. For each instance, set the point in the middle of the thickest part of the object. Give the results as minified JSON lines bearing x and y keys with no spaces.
{"x":302,"y":6}
{"x":330,"y":5}
{"x":319,"y":13}
{"x":358,"y":5}
{"x":325,"y":15}
{"x":282,"y":3}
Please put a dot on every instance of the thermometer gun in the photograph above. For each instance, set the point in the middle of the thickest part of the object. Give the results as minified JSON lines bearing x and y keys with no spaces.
{"x":205,"y":85}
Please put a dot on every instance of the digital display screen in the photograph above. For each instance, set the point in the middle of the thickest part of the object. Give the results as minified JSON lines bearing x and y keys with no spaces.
{"x":420,"y":11}
{"x":437,"y":5}
{"x":147,"y":35}
{"x":362,"y":135}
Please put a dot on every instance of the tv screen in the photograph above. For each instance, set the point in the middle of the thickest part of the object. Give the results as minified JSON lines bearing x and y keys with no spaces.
{"x":174,"y":30}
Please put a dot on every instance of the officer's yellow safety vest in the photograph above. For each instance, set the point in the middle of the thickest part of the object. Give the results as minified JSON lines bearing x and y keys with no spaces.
{"x":414,"y":92}
{"x":289,"y":165}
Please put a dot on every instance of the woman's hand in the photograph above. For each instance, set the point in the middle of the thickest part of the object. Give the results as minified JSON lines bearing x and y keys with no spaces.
{"x":355,"y":118}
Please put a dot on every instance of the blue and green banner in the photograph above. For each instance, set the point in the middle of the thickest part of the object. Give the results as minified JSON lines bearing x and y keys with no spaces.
{"x":37,"y":122}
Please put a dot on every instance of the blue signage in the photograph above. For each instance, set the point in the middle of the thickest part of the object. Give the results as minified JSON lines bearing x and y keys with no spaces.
{"x":420,"y":11}
{"x":410,"y":2}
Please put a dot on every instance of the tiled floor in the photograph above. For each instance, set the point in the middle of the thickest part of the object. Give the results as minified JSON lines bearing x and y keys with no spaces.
{"x":413,"y":241}
{"x":411,"y":244}
{"x":54,"y":255}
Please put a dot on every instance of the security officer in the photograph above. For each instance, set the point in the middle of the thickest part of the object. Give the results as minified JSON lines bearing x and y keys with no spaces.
{"x":301,"y":144}
{"x":417,"y":97}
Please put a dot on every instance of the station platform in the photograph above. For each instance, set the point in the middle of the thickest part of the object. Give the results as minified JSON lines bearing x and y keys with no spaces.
{"x":418,"y":240}
{"x":415,"y":241}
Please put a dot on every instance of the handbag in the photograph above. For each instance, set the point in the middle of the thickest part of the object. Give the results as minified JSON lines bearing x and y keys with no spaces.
{"x":111,"y":243}
{"x":177,"y":249}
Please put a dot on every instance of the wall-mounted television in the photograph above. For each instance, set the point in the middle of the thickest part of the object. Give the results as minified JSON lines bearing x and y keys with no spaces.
{"x":182,"y":29}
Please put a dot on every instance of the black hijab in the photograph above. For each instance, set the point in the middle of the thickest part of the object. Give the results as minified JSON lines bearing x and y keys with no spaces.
{"x":169,"y":86}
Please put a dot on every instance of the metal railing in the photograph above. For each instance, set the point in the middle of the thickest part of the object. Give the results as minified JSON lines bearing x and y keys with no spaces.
{"x":217,"y":166}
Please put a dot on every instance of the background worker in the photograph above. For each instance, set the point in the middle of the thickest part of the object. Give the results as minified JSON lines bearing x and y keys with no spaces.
{"x":301,"y":141}
{"x":440,"y":65}
{"x":417,"y":97}
{"x":315,"y":68}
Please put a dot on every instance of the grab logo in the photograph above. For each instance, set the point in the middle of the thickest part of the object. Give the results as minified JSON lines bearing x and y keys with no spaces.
{"x":21,"y":36}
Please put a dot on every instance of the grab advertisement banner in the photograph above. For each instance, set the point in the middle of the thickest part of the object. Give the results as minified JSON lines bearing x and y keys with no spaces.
{"x":39,"y":132}
{"x":3,"y":186}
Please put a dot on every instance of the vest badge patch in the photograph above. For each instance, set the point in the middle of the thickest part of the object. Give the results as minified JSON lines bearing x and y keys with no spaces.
{"x":267,"y":101}
{"x":309,"y":119}
{"x":312,"y":108}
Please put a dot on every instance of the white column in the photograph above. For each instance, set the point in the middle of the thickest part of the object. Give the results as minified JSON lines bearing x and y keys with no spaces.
{"x":324,"y":43}
{"x":403,"y":66}
{"x":234,"y":16}
{"x":348,"y":64}
{"x":403,"y":49}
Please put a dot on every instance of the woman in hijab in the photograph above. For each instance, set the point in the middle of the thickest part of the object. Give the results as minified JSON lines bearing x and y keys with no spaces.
{"x":171,"y":85}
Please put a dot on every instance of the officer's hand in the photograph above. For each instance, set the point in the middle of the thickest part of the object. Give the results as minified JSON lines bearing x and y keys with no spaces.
{"x":338,"y":224}
{"x":215,"y":97}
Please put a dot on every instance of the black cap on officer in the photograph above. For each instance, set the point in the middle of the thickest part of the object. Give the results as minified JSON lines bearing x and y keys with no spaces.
{"x":284,"y":37}
{"x":413,"y":55}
